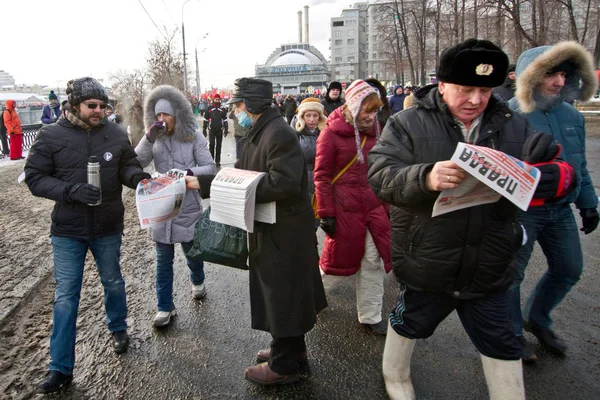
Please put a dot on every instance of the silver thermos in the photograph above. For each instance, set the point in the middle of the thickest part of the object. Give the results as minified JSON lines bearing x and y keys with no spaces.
{"x":93,"y":175}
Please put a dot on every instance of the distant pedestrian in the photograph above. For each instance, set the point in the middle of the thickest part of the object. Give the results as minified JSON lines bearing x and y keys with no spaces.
{"x":290,"y":106}
{"x":507,"y":89}
{"x":216,"y":126}
{"x":135,"y":119}
{"x":12,"y":122}
{"x":3,"y":134}
{"x":333,"y":98}
{"x":310,"y":122}
{"x":177,"y":145}
{"x":354,"y":219}
{"x":51,"y":112}
{"x":286,"y":292}
{"x":397,"y":99}
{"x":57,"y":169}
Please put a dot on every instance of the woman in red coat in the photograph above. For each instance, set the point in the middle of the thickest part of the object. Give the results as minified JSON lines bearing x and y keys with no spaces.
{"x":15,"y":133}
{"x":354,"y":219}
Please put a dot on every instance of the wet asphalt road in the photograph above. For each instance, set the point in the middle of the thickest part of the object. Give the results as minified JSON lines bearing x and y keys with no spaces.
{"x":202,"y":355}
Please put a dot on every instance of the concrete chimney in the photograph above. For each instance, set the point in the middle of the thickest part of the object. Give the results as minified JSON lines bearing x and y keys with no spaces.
{"x":299,"y":26}
{"x":306,"y":36}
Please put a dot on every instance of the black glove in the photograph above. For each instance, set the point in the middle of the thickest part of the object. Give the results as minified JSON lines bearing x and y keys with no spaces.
{"x":590,"y":219}
{"x":84,"y":193}
{"x":558,"y":179}
{"x":155,"y":129}
{"x":540,"y":147}
{"x":137,"y":178}
{"x":328,"y":225}
{"x":225,"y":133}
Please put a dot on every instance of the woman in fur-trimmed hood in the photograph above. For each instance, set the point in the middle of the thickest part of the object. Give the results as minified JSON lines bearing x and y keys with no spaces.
{"x":173,"y":142}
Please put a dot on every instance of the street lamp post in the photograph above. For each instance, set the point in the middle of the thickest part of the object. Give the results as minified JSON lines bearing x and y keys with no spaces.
{"x":185,"y":86}
{"x":197,"y":67}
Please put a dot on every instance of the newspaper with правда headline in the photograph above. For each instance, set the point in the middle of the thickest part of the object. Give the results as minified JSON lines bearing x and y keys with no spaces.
{"x":233,"y":199}
{"x":160,"y":199}
{"x":491,"y":174}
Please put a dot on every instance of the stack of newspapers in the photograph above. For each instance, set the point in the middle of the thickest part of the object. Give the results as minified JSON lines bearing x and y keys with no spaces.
{"x":233,"y":199}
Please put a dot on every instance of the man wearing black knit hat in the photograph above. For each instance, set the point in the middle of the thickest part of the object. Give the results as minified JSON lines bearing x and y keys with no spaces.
{"x":462,"y":260}
{"x":333,"y":97}
{"x":507,"y":89}
{"x":84,"y":217}
{"x":286,"y":291}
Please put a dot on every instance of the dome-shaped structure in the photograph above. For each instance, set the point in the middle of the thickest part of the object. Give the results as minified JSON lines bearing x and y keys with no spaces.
{"x":295,"y":67}
{"x":294,"y":57}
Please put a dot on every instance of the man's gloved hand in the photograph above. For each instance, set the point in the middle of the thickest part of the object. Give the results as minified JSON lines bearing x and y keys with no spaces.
{"x":558,"y":179}
{"x":328,"y":225}
{"x":137,"y":178}
{"x":84,"y":193}
{"x":225,"y":133}
{"x":204,"y":132}
{"x":155,"y":129}
{"x":590,"y":219}
{"x":540,"y":147}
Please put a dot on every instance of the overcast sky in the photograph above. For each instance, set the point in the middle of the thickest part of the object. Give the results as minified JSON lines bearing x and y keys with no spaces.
{"x":50,"y":42}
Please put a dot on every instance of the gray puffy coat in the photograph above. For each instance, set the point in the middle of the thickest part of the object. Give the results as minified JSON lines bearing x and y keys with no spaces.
{"x":184,"y":149}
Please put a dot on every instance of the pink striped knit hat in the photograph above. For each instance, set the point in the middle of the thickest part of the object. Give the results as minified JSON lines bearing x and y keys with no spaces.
{"x":355,"y":94}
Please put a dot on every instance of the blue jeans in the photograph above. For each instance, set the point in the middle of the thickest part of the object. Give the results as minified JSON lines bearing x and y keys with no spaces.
{"x":164,"y":273}
{"x":555,"y":229}
{"x":69,"y":260}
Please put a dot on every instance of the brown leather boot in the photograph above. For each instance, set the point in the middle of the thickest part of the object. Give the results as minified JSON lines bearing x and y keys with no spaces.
{"x":265,"y":355}
{"x":262,"y":374}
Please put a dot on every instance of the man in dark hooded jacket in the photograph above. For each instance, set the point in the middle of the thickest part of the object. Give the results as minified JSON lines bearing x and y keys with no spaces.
{"x":462,"y":260}
{"x":84,"y":216}
{"x":548,"y":77}
{"x":397,"y":99}
{"x":507,"y":89}
{"x":333,"y":97}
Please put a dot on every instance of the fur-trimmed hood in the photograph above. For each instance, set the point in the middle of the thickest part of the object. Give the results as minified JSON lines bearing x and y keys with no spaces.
{"x":534,"y":63}
{"x":185,"y":124}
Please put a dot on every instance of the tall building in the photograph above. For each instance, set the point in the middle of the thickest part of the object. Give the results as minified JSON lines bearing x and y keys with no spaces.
{"x":349,"y":44}
{"x":295,"y":67}
{"x":6,"y":79}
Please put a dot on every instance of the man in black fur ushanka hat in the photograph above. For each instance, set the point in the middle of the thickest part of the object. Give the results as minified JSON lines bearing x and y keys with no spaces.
{"x":461,"y":260}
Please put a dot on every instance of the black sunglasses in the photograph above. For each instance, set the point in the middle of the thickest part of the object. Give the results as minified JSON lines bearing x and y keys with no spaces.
{"x":93,"y":106}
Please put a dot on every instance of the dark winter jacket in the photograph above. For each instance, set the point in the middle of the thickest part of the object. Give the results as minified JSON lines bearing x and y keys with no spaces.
{"x":330,"y":104}
{"x":47,"y":114}
{"x":308,"y":142}
{"x":216,"y":116}
{"x":58,"y":160}
{"x":290,"y":106}
{"x":350,"y":199}
{"x":286,"y":290}
{"x":506,"y":90}
{"x":397,"y":101}
{"x":468,"y":252}
{"x":560,"y":119}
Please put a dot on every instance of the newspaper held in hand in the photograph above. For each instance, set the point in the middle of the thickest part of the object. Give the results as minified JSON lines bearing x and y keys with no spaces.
{"x":160,"y":199}
{"x":233,"y":199}
{"x":491,"y":174}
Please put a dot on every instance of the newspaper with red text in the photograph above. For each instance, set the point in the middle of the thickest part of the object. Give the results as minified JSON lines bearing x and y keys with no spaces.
{"x":491,"y":174}
{"x":160,"y":199}
{"x":233,"y":199}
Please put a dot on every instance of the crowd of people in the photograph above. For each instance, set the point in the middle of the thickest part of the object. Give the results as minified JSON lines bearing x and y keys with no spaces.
{"x":365,"y":168}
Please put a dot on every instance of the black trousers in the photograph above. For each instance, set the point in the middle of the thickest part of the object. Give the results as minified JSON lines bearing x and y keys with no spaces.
{"x":4,"y":141}
{"x":215,"y":136}
{"x":285,"y":354}
{"x":486,"y":320}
